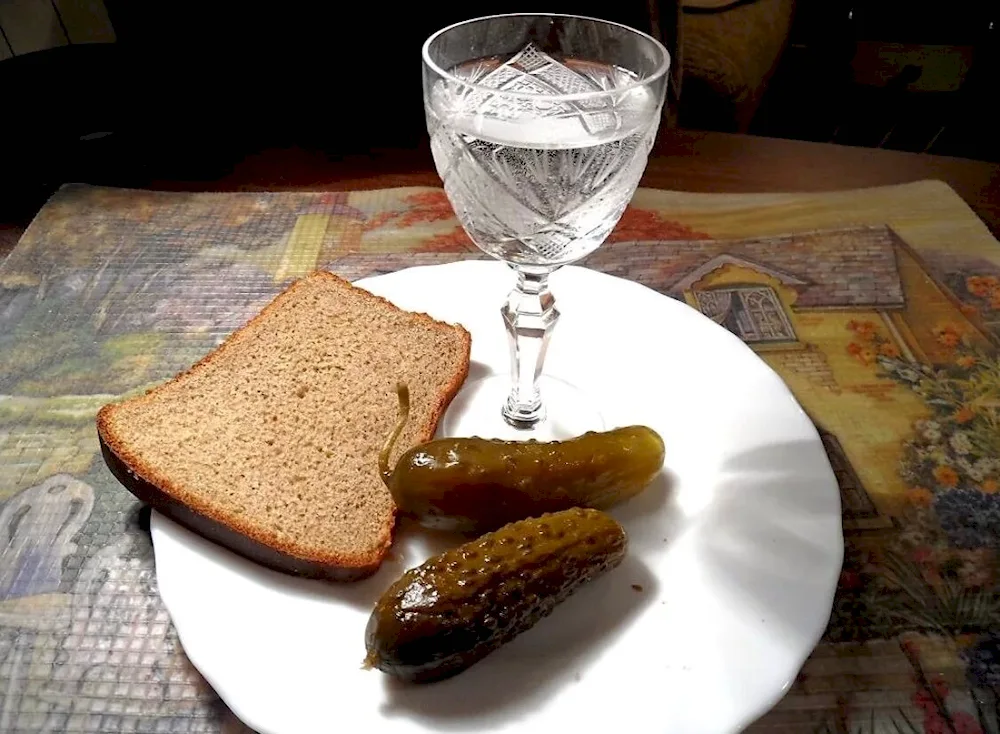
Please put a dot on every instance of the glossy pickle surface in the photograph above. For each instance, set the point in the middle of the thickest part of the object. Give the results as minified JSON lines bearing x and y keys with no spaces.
{"x":458,"y":607}
{"x":475,"y":485}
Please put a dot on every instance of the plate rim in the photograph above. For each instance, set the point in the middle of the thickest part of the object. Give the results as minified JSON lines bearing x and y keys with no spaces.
{"x":159,"y":524}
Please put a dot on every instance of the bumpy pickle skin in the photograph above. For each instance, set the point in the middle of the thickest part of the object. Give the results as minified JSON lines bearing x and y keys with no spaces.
{"x":475,"y":485}
{"x":449,"y":613}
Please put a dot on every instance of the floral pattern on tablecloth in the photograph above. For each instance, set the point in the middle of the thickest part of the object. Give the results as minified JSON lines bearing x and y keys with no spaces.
{"x":881,"y":310}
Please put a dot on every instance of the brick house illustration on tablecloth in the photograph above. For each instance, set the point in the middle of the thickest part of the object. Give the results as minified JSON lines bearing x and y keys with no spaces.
{"x":795,"y":300}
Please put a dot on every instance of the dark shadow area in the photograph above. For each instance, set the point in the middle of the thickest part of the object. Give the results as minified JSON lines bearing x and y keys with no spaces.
{"x":189,"y":91}
{"x":477,"y":371}
{"x":140,"y":516}
{"x":905,"y":75}
{"x":531,"y":669}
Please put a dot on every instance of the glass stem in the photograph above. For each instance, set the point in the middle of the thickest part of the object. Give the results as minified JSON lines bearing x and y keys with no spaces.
{"x":530,"y":316}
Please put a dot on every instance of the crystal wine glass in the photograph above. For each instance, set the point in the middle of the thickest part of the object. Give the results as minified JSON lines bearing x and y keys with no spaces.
{"x":540,"y":127}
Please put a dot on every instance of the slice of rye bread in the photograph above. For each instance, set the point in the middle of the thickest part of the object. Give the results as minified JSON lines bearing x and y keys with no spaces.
{"x":269,"y":444}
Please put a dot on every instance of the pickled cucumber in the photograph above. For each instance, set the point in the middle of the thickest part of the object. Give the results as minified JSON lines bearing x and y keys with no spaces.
{"x":442,"y":617}
{"x":475,"y":485}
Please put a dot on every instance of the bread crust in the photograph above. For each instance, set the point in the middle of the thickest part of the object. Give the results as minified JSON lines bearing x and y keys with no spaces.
{"x":235,"y":533}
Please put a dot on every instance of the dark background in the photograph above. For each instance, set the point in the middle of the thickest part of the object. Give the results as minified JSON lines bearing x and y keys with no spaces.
{"x":831,"y":87}
{"x":187,"y":90}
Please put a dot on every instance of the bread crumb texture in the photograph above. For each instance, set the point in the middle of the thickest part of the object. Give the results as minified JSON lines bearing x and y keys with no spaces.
{"x":277,"y":433}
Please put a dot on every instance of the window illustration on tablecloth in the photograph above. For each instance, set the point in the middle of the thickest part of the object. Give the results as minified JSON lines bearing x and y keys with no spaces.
{"x":752,"y":312}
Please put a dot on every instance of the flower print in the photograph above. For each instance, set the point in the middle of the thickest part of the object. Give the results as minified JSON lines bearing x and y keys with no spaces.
{"x":961,"y":444}
{"x":989,"y":486}
{"x":455,"y":241}
{"x":937,"y":720}
{"x":963,"y":723}
{"x":426,"y":207}
{"x":920,"y":496}
{"x":909,"y":375}
{"x":938,"y":455}
{"x":974,"y":567}
{"x":975,"y":576}
{"x":864,"y":329}
{"x":981,"y":285}
{"x":940,"y":686}
{"x":964,"y":415}
{"x":867,"y":331}
{"x":948,"y":336}
{"x":965,"y":465}
{"x":967,"y":361}
{"x":945,"y":476}
{"x":984,"y":467}
{"x":888,"y":349}
{"x":971,"y":519}
{"x":975,"y":473}
{"x":864,"y":354}
{"x":982,"y":661}
{"x":931,"y":430}
{"x":850,"y":580}
{"x":909,"y":473}
{"x":924,"y":701}
{"x":923,"y":554}
{"x":643,"y":224}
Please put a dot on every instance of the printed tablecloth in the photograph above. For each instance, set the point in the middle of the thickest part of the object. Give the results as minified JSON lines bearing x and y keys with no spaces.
{"x":880,"y":308}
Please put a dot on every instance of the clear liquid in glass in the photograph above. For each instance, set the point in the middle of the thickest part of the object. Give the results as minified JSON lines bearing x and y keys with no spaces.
{"x":538,"y":181}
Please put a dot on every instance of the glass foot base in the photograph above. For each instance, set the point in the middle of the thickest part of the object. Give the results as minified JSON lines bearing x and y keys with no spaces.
{"x":475,"y":411}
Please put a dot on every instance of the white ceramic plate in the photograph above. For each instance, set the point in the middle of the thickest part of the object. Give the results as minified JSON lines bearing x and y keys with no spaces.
{"x":736,"y":550}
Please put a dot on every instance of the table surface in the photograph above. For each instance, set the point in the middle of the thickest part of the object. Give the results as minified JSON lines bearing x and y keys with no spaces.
{"x":885,"y":304}
{"x":682,"y":161}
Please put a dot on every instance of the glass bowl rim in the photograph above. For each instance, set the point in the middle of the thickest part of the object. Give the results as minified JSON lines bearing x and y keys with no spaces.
{"x":659,"y":73}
